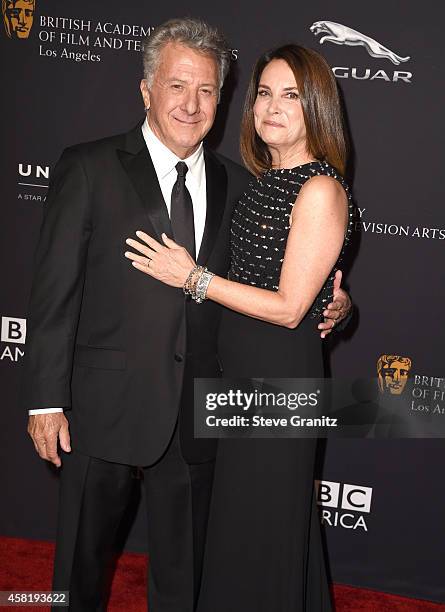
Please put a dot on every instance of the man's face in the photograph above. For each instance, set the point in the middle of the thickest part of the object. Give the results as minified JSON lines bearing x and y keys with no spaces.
{"x":395,"y":377}
{"x":182,"y":98}
{"x":19,"y":15}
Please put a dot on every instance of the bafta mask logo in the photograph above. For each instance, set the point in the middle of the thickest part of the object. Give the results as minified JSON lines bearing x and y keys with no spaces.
{"x":18,"y":16}
{"x":392,"y":371}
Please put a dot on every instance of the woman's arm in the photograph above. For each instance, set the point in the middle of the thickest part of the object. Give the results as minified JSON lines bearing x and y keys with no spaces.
{"x":318,"y":225}
{"x":319,"y":220}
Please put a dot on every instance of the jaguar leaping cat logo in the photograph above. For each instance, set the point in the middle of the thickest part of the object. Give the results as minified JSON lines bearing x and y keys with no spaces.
{"x":342,"y":35}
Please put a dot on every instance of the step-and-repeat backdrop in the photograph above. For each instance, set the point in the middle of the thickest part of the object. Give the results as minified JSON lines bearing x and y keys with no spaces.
{"x":71,"y":72}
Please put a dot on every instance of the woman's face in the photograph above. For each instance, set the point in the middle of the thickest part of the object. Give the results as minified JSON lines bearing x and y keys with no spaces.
{"x":277,"y":110}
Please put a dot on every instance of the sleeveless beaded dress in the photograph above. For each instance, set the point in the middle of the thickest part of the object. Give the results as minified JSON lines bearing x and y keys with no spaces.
{"x":264,"y":551}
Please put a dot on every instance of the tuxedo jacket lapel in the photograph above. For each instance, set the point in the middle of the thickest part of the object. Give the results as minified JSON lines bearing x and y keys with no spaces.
{"x":136,"y":161}
{"x":216,"y":188}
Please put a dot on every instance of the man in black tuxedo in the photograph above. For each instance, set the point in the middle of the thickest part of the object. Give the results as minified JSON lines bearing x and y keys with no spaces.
{"x":112,"y":354}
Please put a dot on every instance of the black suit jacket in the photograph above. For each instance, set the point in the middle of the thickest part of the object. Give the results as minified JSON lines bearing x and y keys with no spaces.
{"x":105,"y":341}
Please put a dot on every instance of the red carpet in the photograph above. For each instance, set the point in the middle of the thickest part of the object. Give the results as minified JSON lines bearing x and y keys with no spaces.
{"x":27,"y":565}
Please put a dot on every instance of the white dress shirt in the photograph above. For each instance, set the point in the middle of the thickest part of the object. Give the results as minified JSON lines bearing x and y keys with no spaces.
{"x":164,"y":162}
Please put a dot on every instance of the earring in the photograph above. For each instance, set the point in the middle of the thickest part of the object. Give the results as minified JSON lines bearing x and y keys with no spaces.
{"x":146,"y":109}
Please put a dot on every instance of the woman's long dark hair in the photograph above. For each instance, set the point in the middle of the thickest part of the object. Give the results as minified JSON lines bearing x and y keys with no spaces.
{"x":317,"y":88}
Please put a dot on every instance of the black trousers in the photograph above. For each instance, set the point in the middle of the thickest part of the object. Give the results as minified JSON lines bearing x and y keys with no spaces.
{"x":94,"y":495}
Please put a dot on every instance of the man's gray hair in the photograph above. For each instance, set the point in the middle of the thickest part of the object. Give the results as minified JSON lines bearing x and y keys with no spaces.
{"x":193,"y":33}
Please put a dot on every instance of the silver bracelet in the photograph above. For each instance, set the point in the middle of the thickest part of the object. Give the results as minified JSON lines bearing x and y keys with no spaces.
{"x":202,"y":285}
{"x":188,"y":285}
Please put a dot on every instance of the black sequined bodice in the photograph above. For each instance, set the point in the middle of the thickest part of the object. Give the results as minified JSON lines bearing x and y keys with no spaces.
{"x":260,"y":227}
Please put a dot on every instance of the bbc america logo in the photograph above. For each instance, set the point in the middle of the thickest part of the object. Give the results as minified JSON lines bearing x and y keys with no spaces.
{"x":13,"y":331}
{"x":343,"y":505}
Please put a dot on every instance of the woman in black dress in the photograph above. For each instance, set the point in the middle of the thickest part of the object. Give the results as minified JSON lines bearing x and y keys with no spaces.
{"x":288,"y":236}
